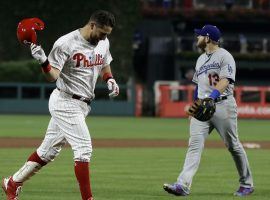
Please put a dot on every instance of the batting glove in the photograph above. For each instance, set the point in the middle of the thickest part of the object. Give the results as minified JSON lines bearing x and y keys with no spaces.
{"x":38,"y":53}
{"x":113,"y":88}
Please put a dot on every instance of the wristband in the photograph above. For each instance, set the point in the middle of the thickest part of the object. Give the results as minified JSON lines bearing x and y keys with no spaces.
{"x":215,"y":94}
{"x":46,"y":67}
{"x":107,"y":76}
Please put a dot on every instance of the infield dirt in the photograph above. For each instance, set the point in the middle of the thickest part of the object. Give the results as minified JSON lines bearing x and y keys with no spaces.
{"x":129,"y":143}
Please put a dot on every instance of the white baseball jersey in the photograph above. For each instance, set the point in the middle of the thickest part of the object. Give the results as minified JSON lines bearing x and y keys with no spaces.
{"x":80,"y":63}
{"x":210,"y":68}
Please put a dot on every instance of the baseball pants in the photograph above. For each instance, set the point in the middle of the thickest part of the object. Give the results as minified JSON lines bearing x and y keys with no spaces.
{"x":67,"y":124}
{"x":225,"y":122}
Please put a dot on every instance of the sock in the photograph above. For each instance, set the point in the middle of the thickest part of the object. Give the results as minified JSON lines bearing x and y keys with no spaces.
{"x":35,"y":158}
{"x":83,"y":178}
{"x":30,"y":168}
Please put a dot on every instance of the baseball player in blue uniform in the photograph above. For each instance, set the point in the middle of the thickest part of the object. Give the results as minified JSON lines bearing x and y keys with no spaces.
{"x":215,"y":77}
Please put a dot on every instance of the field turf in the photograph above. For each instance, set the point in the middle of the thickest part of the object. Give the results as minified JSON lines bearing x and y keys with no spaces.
{"x":138,"y":174}
{"x":135,"y":173}
{"x":127,"y":127}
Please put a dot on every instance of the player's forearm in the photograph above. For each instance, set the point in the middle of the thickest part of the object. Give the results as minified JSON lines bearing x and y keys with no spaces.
{"x":105,"y":70}
{"x":219,"y":88}
{"x":106,"y":73}
{"x":52,"y":75}
{"x":50,"y":72}
{"x":222,"y":85}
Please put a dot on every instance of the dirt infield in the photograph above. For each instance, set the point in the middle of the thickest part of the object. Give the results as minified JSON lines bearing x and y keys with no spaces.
{"x":124,"y":143}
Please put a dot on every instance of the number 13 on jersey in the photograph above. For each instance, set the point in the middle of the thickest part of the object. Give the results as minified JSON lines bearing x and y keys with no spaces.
{"x":213,"y":79}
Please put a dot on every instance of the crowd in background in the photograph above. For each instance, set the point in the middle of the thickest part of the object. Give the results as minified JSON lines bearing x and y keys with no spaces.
{"x":188,"y":4}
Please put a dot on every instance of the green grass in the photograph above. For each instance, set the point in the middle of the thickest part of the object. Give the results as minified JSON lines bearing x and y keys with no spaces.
{"x":135,"y":173}
{"x":138,"y":174}
{"x":127,"y":127}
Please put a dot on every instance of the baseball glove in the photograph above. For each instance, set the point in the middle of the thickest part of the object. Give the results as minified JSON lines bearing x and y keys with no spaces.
{"x":202,"y":109}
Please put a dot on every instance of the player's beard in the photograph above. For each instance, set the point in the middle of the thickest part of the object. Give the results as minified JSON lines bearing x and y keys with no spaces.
{"x":93,"y":40}
{"x":201,"y":44}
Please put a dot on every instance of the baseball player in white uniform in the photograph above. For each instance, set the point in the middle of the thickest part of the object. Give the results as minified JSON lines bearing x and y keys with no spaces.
{"x":75,"y":62}
{"x":215,"y":77}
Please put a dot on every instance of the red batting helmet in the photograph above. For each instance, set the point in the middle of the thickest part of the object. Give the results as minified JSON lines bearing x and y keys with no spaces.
{"x":26,"y":30}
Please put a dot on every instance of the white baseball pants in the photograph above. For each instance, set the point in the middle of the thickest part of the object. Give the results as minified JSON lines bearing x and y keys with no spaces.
{"x":67,"y":124}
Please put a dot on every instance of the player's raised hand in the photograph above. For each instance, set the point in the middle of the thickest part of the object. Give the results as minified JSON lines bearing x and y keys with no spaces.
{"x":113,"y":88}
{"x":38,"y":53}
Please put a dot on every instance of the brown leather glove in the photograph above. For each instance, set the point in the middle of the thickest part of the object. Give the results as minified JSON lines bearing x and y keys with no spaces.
{"x":202,"y":109}
{"x":192,"y":109}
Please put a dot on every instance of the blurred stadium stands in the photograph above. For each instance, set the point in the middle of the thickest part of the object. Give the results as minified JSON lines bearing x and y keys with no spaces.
{"x":167,"y":49}
{"x":162,"y":46}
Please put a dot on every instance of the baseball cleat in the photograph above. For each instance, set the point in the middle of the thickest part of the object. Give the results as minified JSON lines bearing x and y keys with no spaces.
{"x":11,"y":188}
{"x":244,"y":191}
{"x":175,"y":189}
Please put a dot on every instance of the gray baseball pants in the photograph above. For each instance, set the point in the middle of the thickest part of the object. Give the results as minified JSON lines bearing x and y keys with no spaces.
{"x":225,"y":122}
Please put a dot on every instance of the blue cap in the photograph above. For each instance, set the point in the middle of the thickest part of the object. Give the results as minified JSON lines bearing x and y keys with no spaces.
{"x":209,"y":30}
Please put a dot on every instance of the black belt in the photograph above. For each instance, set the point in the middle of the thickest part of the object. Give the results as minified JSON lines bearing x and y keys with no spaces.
{"x":221,"y":98}
{"x":75,"y":96}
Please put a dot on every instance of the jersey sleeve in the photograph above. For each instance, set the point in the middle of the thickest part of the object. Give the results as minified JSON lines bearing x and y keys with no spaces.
{"x":108,"y":57}
{"x":195,"y":78}
{"x":57,"y":56}
{"x":195,"y":75}
{"x":228,"y":67}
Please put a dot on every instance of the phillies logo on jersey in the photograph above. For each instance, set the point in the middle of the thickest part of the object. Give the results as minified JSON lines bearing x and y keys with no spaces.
{"x":81,"y":59}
